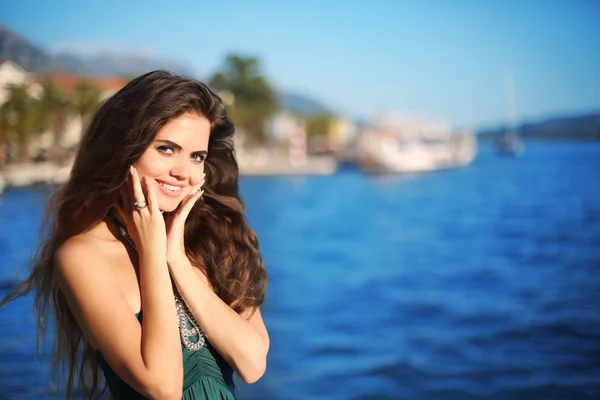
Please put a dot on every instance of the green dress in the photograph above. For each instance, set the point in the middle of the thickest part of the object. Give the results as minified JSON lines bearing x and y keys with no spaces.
{"x":206,"y":376}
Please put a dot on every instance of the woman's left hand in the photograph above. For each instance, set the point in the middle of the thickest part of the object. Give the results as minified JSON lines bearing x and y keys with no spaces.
{"x":175,"y":224}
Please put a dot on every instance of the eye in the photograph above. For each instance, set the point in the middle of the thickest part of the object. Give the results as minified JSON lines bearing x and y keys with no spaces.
{"x":199,"y":157}
{"x":165,"y":149}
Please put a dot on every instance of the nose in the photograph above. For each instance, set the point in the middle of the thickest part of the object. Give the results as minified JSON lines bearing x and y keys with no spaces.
{"x":180,"y":169}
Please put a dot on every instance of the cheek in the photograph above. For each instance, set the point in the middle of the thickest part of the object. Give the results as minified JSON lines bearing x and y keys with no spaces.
{"x":197,"y":175}
{"x":151,"y":165}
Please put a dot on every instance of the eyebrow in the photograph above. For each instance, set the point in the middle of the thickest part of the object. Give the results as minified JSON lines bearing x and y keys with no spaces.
{"x":178,"y":147}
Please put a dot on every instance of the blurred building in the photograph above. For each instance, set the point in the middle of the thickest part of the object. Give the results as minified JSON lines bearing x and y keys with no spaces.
{"x":108,"y":85}
{"x":342,"y":134}
{"x":286,"y":153}
{"x":282,"y":125}
{"x":288,"y":133}
{"x":324,"y":133}
{"x":12,"y":74}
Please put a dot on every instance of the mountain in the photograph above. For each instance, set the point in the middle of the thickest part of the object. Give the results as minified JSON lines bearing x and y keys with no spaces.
{"x":119,"y":63}
{"x":300,"y":104}
{"x":584,"y":127}
{"x":33,"y":59}
{"x":28,"y":56}
{"x":36,"y":60}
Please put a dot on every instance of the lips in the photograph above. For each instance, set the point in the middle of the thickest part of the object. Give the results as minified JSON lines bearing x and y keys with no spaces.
{"x":169,"y":189}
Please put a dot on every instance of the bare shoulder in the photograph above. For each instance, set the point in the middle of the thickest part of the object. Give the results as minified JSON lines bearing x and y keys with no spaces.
{"x":82,"y":273}
{"x":75,"y":250}
{"x":80,"y":257}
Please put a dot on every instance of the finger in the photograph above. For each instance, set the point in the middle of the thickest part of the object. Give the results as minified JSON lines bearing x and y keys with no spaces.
{"x":190,"y":195}
{"x":138,"y":192}
{"x":144,"y":184}
{"x":196,"y":188}
{"x":151,"y":196}
{"x":189,"y":204}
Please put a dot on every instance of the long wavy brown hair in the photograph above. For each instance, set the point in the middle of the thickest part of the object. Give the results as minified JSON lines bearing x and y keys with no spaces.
{"x":217,"y":237}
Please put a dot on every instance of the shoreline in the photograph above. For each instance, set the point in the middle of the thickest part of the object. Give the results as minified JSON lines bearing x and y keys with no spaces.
{"x":31,"y":174}
{"x":49,"y":173}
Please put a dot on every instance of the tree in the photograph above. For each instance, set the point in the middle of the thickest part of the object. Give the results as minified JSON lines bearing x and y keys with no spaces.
{"x":56,"y":109}
{"x":23,"y":117}
{"x":255,"y":99}
{"x":86,"y":100}
{"x":5,"y":130}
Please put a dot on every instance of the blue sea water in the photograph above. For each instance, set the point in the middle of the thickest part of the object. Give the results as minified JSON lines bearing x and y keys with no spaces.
{"x":475,"y":283}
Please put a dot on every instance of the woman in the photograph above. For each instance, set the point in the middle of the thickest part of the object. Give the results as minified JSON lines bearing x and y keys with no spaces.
{"x":157,"y":290}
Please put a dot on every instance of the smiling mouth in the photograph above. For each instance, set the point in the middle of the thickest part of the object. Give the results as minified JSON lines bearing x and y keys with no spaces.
{"x":171,"y":190}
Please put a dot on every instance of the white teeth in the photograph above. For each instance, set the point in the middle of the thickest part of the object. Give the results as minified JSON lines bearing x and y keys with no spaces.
{"x":171,"y":188}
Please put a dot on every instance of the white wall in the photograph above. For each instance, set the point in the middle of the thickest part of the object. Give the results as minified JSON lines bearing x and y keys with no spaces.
{"x":11,"y":74}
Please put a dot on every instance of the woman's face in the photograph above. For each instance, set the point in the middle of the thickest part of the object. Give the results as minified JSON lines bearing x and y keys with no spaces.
{"x":174,"y":162}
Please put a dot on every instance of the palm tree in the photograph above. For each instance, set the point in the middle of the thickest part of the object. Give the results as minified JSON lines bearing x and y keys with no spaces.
{"x":4,"y":134}
{"x":56,"y":108}
{"x":23,"y":117}
{"x":86,"y":100}
{"x":255,"y":98}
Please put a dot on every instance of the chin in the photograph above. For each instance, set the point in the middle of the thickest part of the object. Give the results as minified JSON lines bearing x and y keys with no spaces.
{"x":167,"y":204}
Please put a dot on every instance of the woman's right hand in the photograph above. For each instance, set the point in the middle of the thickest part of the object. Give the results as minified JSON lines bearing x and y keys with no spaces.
{"x":145,"y":224}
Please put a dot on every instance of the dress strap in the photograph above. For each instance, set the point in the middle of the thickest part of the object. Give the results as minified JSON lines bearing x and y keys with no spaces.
{"x":115,"y":221}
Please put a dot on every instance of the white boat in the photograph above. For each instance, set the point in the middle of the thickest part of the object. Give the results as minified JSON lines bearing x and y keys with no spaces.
{"x":411,"y":146}
{"x":509,"y":144}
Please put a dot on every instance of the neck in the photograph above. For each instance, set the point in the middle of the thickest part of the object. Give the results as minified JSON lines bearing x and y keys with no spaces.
{"x":113,"y":216}
{"x":116,"y":218}
{"x":115,"y":223}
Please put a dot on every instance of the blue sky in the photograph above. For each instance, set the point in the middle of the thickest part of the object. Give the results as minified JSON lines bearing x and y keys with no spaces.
{"x":444,"y":59}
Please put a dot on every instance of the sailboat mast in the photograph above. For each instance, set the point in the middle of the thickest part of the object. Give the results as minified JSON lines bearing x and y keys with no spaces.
{"x":511,"y":103}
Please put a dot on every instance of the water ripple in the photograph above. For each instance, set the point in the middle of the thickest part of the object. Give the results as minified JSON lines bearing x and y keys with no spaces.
{"x":478,"y":283}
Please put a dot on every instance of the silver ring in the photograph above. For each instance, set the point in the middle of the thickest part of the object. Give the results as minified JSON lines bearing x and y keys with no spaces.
{"x":138,"y":205}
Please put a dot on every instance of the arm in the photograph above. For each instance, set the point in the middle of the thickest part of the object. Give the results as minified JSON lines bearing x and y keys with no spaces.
{"x":243,"y":342}
{"x":146,"y":357}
